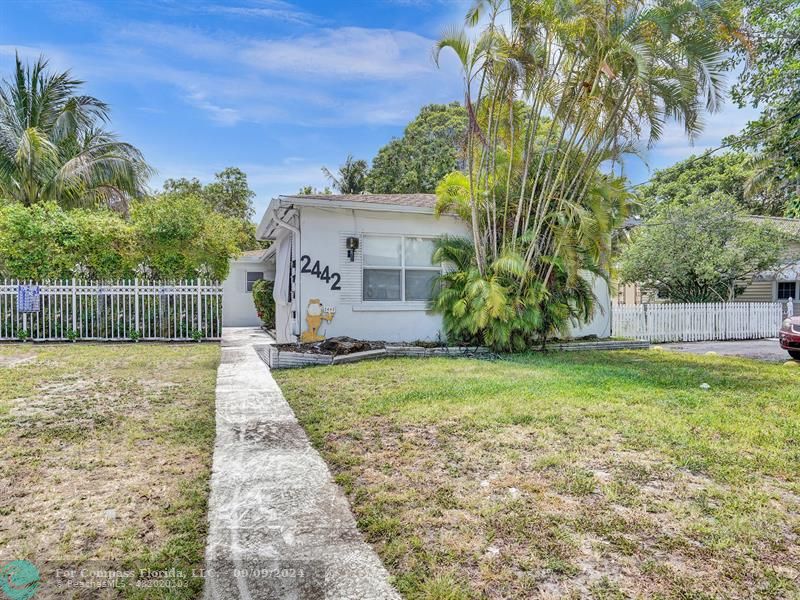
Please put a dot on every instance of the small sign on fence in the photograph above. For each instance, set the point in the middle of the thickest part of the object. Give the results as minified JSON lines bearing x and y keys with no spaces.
{"x":28,"y":298}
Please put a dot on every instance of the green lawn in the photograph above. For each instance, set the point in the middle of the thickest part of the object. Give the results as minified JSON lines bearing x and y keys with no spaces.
{"x":106,"y":455}
{"x":605,"y":475}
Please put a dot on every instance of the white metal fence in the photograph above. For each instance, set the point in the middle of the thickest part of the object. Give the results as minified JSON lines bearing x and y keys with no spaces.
{"x":123,"y":310}
{"x":698,"y":322}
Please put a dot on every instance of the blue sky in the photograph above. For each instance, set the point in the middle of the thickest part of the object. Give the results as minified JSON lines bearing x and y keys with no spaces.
{"x":278,"y":89}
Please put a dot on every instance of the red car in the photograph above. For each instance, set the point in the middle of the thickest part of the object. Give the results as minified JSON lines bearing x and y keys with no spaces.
{"x":790,"y":336}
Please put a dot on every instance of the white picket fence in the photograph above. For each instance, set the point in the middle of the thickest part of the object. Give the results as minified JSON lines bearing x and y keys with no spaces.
{"x":122,"y":310}
{"x":698,"y":322}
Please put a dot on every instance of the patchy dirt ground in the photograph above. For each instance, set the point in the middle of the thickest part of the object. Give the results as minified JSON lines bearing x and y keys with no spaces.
{"x":602,"y":475}
{"x":106,"y":453}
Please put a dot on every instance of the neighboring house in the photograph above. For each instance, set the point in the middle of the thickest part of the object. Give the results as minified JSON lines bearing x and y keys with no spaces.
{"x":357,"y":266}
{"x":784,"y":282}
{"x":770,"y":286}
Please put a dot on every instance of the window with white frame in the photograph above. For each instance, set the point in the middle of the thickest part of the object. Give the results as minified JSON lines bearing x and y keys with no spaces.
{"x":398,"y":268}
{"x":787,"y":289}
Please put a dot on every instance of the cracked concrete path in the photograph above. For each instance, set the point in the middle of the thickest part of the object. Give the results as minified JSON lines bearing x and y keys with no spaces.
{"x":278,"y":525}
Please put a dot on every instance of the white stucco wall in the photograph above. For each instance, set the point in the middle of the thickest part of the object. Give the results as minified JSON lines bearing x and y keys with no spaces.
{"x":323,"y":234}
{"x":238,"y":309}
{"x":600,"y":325}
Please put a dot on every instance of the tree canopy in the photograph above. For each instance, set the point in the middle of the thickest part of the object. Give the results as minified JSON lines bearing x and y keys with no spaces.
{"x":553,"y":91}
{"x":706,"y":251}
{"x":431,"y":147}
{"x":351,"y":177}
{"x":54,"y":145}
{"x":171,"y":237}
{"x":310,"y":190}
{"x":697,"y":177}
{"x":770,"y":80}
{"x":177,"y":236}
{"x":228,"y":195}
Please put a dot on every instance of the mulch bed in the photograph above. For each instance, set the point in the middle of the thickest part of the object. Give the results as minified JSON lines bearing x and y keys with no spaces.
{"x":336,"y":346}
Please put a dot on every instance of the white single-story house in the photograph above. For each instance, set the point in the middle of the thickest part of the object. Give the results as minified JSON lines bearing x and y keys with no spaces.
{"x":357,"y":266}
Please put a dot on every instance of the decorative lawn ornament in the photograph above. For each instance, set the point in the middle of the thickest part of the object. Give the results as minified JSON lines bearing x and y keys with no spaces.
{"x":315,"y":315}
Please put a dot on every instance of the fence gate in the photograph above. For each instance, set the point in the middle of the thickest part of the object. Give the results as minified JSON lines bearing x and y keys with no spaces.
{"x":698,"y":322}
{"x":121,"y":310}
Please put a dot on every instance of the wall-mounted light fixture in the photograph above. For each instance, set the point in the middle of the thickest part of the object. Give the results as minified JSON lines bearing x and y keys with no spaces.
{"x":352,"y":246}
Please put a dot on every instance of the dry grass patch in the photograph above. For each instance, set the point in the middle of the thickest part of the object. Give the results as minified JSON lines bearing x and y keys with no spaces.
{"x":106,"y":453}
{"x":604,"y":475}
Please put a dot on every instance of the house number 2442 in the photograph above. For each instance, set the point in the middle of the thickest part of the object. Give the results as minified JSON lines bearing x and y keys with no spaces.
{"x":324,"y":274}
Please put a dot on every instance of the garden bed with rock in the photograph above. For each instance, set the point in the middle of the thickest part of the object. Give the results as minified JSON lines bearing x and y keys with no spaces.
{"x":344,"y":349}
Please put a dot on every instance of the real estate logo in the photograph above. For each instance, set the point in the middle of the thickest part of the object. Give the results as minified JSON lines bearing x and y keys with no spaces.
{"x":19,"y":579}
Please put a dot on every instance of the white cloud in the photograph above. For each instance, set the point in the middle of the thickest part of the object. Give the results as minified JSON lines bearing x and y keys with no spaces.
{"x":675,"y":145}
{"x":329,"y":78}
{"x":220,"y":114}
{"x":186,"y":41}
{"x":336,"y":77}
{"x":346,"y":52}
{"x":57,"y":59}
{"x":267,"y":9}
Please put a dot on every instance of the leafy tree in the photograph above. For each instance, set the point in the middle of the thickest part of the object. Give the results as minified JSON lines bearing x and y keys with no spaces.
{"x":228,"y":195}
{"x":351,"y":177}
{"x":698,"y":177}
{"x":432,"y":146}
{"x":770,"y":80}
{"x":702,"y":252}
{"x":183,"y":186}
{"x":554,"y":90}
{"x":53,"y":145}
{"x":308,"y":190}
{"x":176,"y":234}
{"x":45,"y":241}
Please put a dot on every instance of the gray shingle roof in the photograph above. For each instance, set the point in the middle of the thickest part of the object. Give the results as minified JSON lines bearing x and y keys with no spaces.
{"x":255,"y":253}
{"x":418,"y":200}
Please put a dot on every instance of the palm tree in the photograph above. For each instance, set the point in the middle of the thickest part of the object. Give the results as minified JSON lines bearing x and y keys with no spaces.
{"x":53,"y":145}
{"x":555,"y":91}
{"x":352,"y":177}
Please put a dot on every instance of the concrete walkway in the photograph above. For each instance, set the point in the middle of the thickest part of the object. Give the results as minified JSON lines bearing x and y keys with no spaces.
{"x":278,"y":525}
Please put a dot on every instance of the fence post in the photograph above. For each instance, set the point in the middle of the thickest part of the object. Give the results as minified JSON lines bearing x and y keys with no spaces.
{"x":199,"y":306}
{"x":136,"y":304}
{"x":74,"y":306}
{"x":790,"y":307}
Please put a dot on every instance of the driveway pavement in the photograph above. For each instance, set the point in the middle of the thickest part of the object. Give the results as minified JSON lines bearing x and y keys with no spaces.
{"x":767,"y":350}
{"x":279,"y":527}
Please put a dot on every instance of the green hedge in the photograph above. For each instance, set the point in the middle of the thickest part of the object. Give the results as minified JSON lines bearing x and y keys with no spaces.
{"x":265,"y":303}
{"x":176,"y":237}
